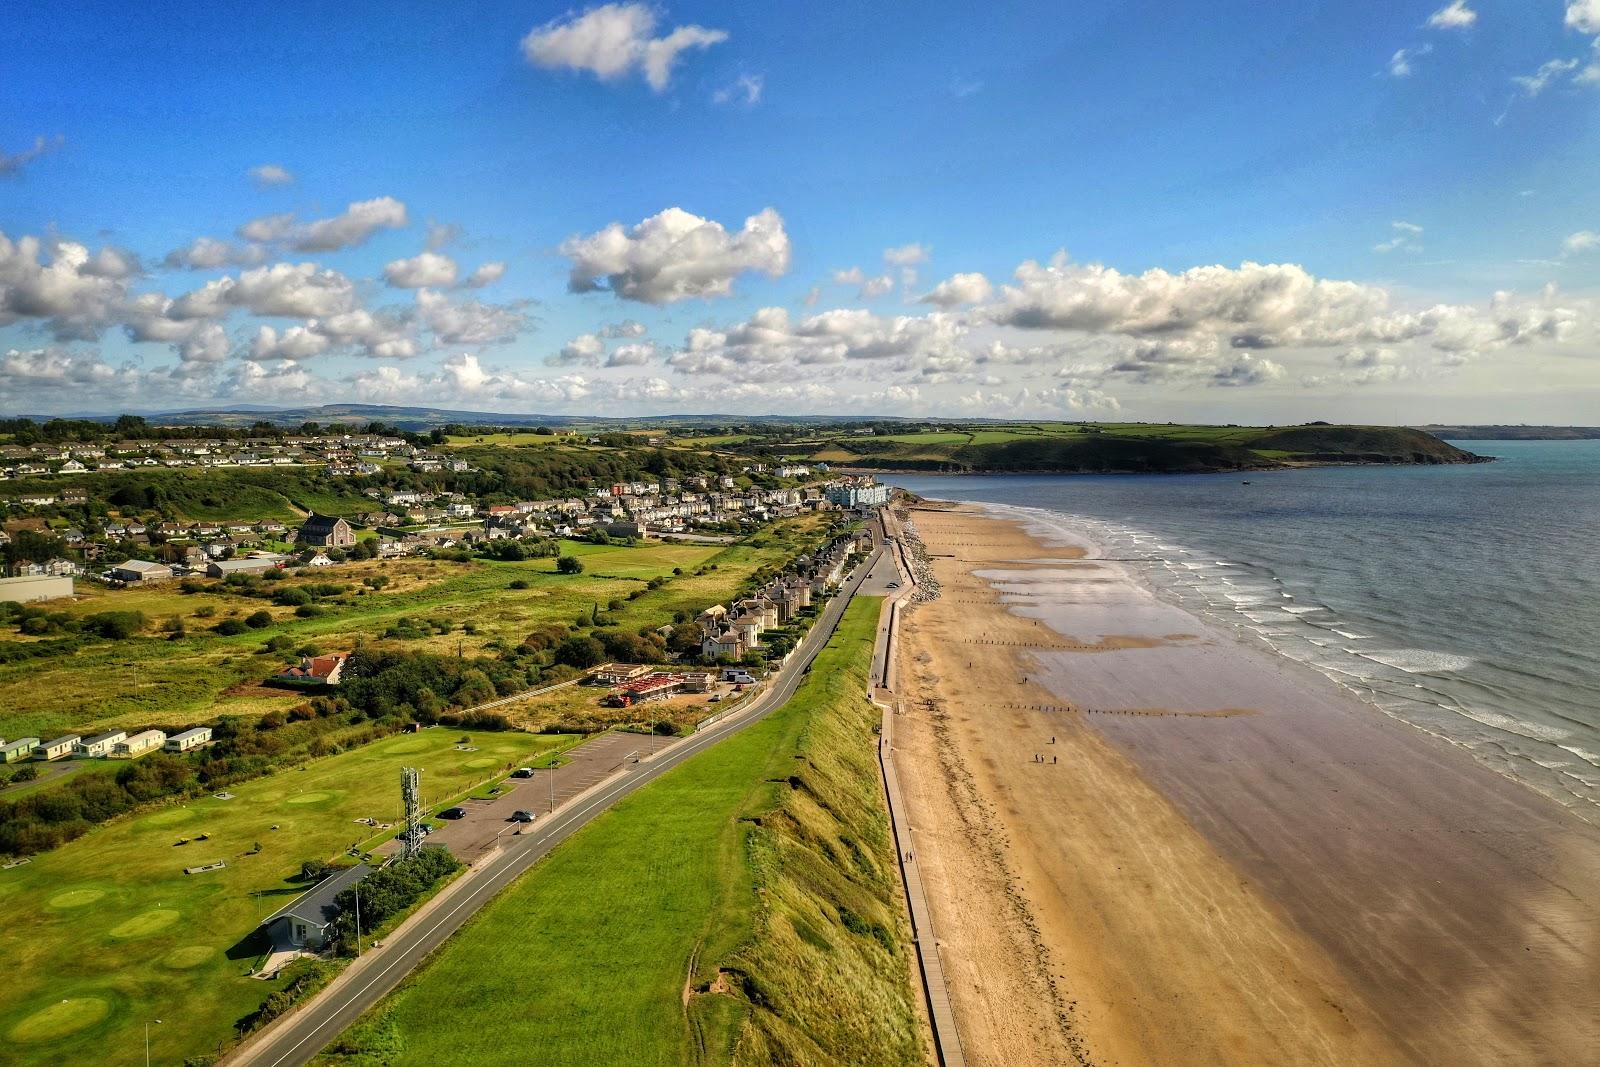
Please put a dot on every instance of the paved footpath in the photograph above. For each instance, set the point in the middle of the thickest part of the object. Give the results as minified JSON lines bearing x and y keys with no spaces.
{"x":294,"y":1039}
{"x":936,"y":990}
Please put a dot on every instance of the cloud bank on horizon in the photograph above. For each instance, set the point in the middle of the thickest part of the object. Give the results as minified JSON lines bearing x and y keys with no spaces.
{"x":703,"y":220}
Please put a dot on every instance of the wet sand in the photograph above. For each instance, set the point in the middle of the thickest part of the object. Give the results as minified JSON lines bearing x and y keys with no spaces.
{"x":1223,"y":857}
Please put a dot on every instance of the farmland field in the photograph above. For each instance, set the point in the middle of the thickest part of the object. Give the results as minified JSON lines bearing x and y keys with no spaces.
{"x":107,"y":931}
{"x":595,"y":943}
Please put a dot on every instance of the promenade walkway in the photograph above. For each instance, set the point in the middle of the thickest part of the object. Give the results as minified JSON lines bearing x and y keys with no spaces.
{"x":936,"y":990}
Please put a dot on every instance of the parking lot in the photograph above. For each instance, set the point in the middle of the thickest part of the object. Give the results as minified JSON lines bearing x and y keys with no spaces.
{"x":472,"y":837}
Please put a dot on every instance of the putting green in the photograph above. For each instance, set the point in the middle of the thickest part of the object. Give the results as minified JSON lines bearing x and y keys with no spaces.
{"x":181,"y":959}
{"x":316,"y":796}
{"x":480,"y":763}
{"x":169,"y":817}
{"x":76,"y":898}
{"x":61,"y":1019}
{"x":145,"y":923}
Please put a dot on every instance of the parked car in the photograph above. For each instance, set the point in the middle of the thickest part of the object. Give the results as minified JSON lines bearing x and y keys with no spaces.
{"x":522,"y":772}
{"x":453,"y":813}
{"x":522,"y":816}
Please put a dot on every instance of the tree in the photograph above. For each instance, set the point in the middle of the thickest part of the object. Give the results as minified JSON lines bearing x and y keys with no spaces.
{"x":569,"y":565}
{"x":579,"y":651}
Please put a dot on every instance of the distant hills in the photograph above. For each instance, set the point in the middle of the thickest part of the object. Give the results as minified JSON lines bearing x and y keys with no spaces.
{"x":1514,"y":433}
{"x":1137,"y":448}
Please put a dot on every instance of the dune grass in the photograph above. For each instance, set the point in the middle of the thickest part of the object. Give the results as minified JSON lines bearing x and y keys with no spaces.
{"x":107,"y":931}
{"x":740,"y":909}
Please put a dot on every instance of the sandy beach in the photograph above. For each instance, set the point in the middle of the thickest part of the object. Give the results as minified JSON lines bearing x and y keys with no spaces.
{"x":1146,"y":841}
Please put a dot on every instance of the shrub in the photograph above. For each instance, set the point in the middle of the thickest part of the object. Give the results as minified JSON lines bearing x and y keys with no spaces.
{"x":519,"y":583}
{"x":291,"y":597}
{"x":569,"y":565}
{"x":256,"y":620}
{"x":230,"y":627}
{"x":309,"y":611}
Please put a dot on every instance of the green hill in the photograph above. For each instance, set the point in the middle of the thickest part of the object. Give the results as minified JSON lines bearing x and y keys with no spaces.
{"x":1139,"y":448}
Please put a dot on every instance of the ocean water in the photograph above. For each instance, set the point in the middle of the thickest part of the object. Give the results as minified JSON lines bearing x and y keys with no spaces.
{"x":1464,"y":600}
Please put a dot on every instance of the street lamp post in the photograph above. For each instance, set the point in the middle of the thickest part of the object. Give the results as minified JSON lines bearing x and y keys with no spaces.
{"x":147,"y":1023}
{"x":358,"y":925}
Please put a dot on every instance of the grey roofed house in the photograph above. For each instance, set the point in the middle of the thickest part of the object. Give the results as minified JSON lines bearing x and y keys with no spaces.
{"x":307,"y":917}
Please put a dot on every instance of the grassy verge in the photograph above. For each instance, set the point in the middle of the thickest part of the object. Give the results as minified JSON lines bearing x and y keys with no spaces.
{"x":107,"y":932}
{"x":742,"y":908}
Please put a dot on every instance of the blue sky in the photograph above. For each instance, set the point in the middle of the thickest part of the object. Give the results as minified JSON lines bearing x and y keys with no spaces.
{"x":1388,"y":194}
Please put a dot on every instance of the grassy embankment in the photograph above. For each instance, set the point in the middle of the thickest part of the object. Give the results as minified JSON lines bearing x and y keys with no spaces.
{"x":1135,"y":447}
{"x":743,"y":908}
{"x":201,"y":675}
{"x":107,"y":932}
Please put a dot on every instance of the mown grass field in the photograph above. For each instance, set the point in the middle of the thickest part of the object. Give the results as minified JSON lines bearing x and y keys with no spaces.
{"x":201,"y":675}
{"x":610,"y":951}
{"x":107,"y":932}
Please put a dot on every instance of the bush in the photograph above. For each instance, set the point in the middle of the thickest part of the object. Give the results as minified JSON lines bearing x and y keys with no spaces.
{"x":569,"y":565}
{"x":519,"y":583}
{"x":309,"y":611}
{"x":230,"y":627}
{"x":291,"y":597}
{"x":256,"y":620}
{"x":665,"y":727}
{"x":116,"y":625}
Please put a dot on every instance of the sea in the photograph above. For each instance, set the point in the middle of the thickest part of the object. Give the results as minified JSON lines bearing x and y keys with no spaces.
{"x":1464,"y":600}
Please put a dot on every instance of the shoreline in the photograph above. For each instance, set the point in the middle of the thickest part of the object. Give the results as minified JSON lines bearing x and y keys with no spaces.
{"x":1242,"y":864}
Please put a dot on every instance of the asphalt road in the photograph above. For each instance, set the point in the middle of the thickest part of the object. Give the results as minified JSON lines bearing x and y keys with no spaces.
{"x":295,"y":1040}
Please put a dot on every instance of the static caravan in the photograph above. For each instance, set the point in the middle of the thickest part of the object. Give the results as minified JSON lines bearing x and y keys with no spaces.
{"x":20,"y":749}
{"x":98,"y":746}
{"x":61,"y":746}
{"x":188,"y":739}
{"x":139,"y":744}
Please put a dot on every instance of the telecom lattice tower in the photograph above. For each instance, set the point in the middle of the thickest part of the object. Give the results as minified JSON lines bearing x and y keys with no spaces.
{"x":411,"y":796}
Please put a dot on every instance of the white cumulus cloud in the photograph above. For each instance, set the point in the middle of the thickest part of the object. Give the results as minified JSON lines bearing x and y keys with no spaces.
{"x":1455,"y":15}
{"x":425,"y":270}
{"x":676,"y":256}
{"x":614,"y":40}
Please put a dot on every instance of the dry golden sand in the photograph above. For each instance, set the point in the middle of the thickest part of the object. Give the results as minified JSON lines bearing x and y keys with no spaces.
{"x":1220,"y":863}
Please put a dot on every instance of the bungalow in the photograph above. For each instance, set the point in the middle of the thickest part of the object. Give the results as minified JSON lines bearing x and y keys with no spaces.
{"x":304,"y":921}
{"x":61,"y":746}
{"x":221,"y":568}
{"x":98,"y":746}
{"x":656,"y":686}
{"x":189,"y":739}
{"x":315,"y":670}
{"x":698,"y":681}
{"x":20,"y":749}
{"x":617,"y":673}
{"x":138,"y":570}
{"x":327,"y":532}
{"x":138,"y":744}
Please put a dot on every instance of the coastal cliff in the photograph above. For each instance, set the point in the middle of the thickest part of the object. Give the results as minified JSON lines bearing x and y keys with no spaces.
{"x":1147,"y":449}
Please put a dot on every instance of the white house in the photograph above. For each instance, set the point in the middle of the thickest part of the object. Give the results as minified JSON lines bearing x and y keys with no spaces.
{"x":304,"y":921}
{"x":188,"y":739}
{"x":98,"y":746}
{"x":139,"y":744}
{"x":56,"y":749}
